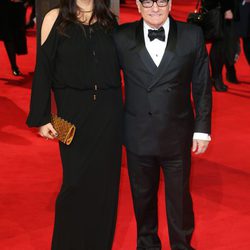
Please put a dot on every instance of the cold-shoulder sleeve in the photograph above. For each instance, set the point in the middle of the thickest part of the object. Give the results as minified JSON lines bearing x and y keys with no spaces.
{"x":40,"y":103}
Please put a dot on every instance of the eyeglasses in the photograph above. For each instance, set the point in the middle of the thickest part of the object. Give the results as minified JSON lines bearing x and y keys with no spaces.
{"x":150,"y":3}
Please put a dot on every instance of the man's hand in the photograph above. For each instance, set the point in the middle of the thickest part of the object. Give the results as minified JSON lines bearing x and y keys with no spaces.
{"x":228,"y":15}
{"x":47,"y":131}
{"x":199,"y":146}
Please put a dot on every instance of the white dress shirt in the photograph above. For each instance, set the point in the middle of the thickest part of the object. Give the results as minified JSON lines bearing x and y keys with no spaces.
{"x":156,"y":49}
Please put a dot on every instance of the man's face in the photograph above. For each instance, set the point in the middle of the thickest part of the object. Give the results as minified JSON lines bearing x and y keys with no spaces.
{"x":155,"y":16}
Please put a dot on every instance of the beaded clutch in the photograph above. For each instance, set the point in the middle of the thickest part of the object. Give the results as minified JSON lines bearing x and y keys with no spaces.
{"x":65,"y":129}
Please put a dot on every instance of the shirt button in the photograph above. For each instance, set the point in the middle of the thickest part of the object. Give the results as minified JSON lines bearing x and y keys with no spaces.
{"x":93,"y":53}
{"x":149,"y":113}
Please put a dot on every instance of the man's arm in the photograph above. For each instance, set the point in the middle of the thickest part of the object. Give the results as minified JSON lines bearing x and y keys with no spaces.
{"x":202,"y":95}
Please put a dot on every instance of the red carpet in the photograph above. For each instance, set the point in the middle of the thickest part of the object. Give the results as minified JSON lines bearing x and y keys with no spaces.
{"x":30,"y":171}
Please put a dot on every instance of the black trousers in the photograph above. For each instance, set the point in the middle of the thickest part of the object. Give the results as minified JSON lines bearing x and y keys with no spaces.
{"x":223,"y":50}
{"x":11,"y":52}
{"x":144,"y":173}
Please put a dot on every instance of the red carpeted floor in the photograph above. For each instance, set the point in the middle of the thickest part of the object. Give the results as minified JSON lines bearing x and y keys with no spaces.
{"x":30,"y":171}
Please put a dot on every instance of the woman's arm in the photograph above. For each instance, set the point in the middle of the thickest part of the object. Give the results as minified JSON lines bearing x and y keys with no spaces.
{"x":40,"y":105}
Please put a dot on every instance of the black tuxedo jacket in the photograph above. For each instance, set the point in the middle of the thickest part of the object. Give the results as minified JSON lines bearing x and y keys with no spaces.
{"x":159,"y":117}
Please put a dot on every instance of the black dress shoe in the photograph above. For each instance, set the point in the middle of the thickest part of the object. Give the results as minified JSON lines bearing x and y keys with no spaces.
{"x":16,"y":72}
{"x":219,"y":85}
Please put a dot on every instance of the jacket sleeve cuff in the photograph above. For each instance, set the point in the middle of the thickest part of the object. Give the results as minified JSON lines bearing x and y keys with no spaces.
{"x":201,"y":136}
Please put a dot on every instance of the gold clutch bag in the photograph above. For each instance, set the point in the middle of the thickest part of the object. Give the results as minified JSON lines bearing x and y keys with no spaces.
{"x":65,"y":129}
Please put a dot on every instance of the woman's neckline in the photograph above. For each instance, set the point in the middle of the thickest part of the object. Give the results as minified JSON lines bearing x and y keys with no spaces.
{"x":86,"y":24}
{"x":89,"y":25}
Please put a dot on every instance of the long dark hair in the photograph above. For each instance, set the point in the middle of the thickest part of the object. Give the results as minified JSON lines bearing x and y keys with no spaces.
{"x":102,"y":13}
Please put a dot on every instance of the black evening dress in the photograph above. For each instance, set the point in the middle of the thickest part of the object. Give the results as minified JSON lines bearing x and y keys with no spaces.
{"x":82,"y":69}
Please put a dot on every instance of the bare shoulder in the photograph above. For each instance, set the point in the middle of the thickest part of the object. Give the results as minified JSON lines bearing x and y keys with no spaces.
{"x":48,"y":23}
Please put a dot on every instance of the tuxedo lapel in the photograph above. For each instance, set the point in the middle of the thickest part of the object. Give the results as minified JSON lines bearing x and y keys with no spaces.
{"x":169,"y":52}
{"x":141,"y":49}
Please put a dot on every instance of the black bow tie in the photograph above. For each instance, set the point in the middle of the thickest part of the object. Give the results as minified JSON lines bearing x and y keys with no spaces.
{"x":157,"y":34}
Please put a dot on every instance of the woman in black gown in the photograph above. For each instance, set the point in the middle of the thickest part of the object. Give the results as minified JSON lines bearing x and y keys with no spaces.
{"x":12,"y":30}
{"x":77,"y":60}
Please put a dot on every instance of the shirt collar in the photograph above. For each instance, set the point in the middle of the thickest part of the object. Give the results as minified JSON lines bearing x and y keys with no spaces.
{"x":165,"y":26}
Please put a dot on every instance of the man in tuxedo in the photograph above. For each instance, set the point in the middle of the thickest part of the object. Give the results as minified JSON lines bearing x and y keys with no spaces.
{"x":162,"y":61}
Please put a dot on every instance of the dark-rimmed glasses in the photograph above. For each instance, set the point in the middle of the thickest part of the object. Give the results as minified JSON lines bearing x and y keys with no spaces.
{"x":150,"y":3}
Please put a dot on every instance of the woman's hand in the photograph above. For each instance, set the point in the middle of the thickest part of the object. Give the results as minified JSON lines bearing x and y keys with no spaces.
{"x":47,"y":131}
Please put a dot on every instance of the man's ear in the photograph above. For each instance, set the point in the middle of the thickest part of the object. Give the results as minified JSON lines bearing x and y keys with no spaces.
{"x":170,"y":5}
{"x":138,"y":6}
